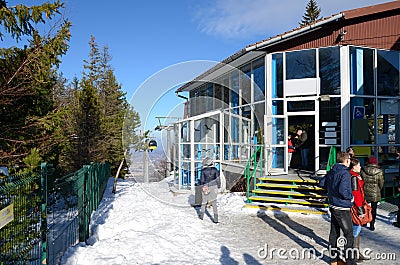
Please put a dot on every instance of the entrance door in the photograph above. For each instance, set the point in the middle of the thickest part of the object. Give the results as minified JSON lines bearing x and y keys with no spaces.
{"x":305,"y":156}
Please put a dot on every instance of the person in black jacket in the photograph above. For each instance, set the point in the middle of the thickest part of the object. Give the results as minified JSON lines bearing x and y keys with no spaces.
{"x":338,"y":184}
{"x":211,"y":182}
{"x":303,"y":144}
{"x":374,"y":181}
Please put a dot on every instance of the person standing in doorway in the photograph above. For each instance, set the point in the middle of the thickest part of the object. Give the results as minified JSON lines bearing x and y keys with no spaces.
{"x":338,"y":184}
{"x":210,"y":182}
{"x":290,"y":149}
{"x":302,"y":144}
{"x":373,"y":178}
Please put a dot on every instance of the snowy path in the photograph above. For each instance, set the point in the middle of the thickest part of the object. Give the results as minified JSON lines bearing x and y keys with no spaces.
{"x":148,"y":225}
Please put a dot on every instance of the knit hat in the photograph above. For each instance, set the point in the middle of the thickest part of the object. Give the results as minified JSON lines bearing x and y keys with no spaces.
{"x":372,"y":160}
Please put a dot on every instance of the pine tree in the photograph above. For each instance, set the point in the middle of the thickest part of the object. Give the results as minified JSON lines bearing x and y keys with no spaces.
{"x":27,"y":79}
{"x":113,"y":105}
{"x":312,"y":14}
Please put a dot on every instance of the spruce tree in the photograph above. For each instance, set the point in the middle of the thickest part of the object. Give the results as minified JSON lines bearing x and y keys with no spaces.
{"x":88,"y":118}
{"x":27,"y":79}
{"x":312,"y":14}
{"x":113,"y":105}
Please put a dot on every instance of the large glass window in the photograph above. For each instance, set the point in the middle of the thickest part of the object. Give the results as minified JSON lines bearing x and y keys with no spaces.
{"x":209,"y":97}
{"x":245,"y":84}
{"x":300,"y":64}
{"x":361,"y":71}
{"x":388,"y":121}
{"x":329,"y":70}
{"x":202,"y":104}
{"x":306,"y":105}
{"x":329,"y":122}
{"x":278,"y":131}
{"x":362,"y":111}
{"x":225,"y":83}
{"x":234,"y":89}
{"x":388,"y":73}
{"x":194,"y":102}
{"x":217,"y":96}
{"x":259,"y":111}
{"x":277,"y":75}
{"x":277,"y":107}
{"x":259,"y":79}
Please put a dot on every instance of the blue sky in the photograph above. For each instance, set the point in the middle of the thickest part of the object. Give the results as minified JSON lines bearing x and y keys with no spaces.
{"x":145,"y":37}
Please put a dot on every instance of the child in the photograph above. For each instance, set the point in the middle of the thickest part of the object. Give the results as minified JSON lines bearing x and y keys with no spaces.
{"x":290,"y":149}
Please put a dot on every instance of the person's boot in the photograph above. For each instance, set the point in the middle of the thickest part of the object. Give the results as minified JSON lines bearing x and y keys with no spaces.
{"x":201,"y":215}
{"x":215,"y":218}
{"x":339,"y":262}
{"x":360,"y":256}
{"x":372,"y":226}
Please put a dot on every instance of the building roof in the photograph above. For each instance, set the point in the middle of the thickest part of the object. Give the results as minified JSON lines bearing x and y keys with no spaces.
{"x":295,"y":33}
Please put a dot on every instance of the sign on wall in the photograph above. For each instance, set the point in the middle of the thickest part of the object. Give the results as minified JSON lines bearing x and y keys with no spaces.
{"x":359,"y":112}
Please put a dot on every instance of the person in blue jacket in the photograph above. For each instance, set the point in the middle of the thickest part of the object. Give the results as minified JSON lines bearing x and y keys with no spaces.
{"x":338,"y":184}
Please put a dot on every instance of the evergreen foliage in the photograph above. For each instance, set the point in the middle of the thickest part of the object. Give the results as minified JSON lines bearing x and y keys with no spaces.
{"x":312,"y":14}
{"x":97,"y":107}
{"x":27,"y":80}
{"x":44,"y":116}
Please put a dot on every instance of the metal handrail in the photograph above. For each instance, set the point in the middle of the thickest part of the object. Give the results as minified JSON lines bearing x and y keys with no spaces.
{"x":251,"y":171}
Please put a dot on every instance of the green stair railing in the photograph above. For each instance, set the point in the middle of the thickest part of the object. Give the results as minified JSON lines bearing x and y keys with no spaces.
{"x":254,"y":164}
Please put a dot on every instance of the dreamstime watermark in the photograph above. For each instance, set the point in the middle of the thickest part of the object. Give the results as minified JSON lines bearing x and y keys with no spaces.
{"x":267,"y":252}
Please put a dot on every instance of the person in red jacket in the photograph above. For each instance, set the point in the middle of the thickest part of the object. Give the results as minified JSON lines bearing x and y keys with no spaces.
{"x":290,"y":149}
{"x":357,"y":186}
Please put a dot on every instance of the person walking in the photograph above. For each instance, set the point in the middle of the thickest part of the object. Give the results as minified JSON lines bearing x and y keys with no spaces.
{"x":357,"y":185}
{"x":303,"y":144}
{"x":291,"y":149}
{"x":210,"y":181}
{"x":374,"y":180}
{"x":338,"y":184}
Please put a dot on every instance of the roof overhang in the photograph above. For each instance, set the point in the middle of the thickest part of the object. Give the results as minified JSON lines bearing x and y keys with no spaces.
{"x":221,"y":69}
{"x":293,"y":34}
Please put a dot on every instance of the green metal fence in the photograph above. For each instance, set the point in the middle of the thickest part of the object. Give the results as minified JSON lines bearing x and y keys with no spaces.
{"x":41,"y":216}
{"x":20,"y":219}
{"x":71,"y":201}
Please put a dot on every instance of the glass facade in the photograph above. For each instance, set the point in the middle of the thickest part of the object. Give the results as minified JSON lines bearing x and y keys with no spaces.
{"x":277,"y":75}
{"x":362,"y":71}
{"x":329,"y":70}
{"x":365,"y":115}
{"x":301,"y":64}
{"x":388,"y":73}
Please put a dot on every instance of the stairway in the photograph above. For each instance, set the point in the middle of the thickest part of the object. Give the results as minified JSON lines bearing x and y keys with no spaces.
{"x":297,"y":192}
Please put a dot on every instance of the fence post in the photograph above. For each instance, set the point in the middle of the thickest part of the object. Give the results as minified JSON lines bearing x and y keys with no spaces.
{"x":43,"y":182}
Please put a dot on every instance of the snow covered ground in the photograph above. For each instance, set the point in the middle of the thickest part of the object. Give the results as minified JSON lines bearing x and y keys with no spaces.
{"x":148,"y":224}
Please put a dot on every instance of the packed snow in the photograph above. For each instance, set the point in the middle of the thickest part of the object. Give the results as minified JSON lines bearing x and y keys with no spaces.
{"x":149,"y":224}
